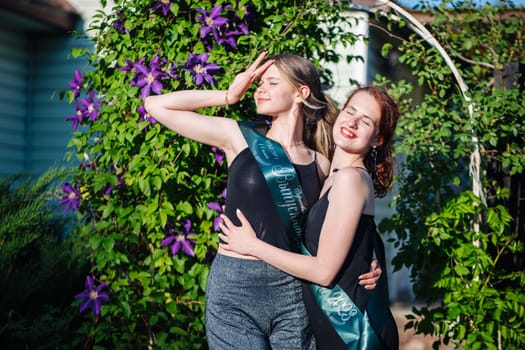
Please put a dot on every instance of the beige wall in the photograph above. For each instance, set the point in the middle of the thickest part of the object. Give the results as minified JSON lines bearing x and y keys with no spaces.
{"x":88,"y":8}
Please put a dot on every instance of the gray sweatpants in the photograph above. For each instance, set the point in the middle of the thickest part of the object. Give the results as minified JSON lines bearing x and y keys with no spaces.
{"x":252,"y":305}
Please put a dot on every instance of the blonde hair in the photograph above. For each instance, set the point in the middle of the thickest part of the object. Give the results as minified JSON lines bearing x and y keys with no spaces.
{"x":319,"y":111}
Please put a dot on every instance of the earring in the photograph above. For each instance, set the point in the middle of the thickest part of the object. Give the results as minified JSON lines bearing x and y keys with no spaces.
{"x":374,"y":157}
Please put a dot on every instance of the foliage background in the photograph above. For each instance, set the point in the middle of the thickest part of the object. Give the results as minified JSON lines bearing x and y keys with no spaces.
{"x":464,"y":253}
{"x":41,"y":264}
{"x":138,"y":182}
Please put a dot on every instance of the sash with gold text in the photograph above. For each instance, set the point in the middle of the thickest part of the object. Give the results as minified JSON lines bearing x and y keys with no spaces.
{"x":349,"y":322}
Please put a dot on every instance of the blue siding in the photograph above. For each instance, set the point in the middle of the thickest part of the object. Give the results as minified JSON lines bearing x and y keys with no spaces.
{"x":50,"y":132}
{"x":34,"y":69}
{"x":13,"y":102}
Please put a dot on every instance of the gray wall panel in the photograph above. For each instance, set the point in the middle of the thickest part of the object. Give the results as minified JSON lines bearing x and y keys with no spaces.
{"x":13,"y":102}
{"x":33,"y":71}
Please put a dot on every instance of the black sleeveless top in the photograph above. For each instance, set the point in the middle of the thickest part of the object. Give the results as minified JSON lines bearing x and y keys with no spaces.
{"x":248,"y":191}
{"x":356,"y":263}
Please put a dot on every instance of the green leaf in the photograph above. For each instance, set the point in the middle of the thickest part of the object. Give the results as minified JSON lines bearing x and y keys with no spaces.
{"x":184,"y":207}
{"x":172,"y":308}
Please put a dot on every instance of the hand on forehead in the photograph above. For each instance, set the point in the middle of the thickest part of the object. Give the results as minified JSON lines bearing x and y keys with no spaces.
{"x":254,"y":67}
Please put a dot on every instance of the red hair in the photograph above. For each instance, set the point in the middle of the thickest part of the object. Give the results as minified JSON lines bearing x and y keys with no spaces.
{"x":382,"y":168}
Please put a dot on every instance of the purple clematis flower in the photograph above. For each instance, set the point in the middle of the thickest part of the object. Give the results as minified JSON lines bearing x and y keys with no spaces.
{"x":93,"y":296}
{"x":202,"y":72}
{"x":128,"y":67}
{"x":144,"y":115}
{"x":147,"y":77}
{"x":119,"y":23}
{"x":223,"y":30}
{"x":90,"y":106}
{"x":219,"y":154}
{"x":71,"y":200}
{"x":217,"y":206}
{"x":76,"y":83}
{"x":76,"y":118}
{"x":163,"y":5}
{"x":171,"y":72}
{"x":212,"y":22}
{"x":181,"y":239}
{"x":228,"y":39}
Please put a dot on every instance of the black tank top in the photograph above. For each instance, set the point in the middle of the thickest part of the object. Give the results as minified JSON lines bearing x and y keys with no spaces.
{"x":248,"y":191}
{"x":357,"y":262}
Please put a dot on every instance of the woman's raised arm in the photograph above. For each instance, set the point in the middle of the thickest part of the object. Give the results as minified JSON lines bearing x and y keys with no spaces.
{"x":176,"y":110}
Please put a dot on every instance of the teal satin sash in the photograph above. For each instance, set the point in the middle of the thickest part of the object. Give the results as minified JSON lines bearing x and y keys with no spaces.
{"x":349,"y":322}
{"x":282,"y":180}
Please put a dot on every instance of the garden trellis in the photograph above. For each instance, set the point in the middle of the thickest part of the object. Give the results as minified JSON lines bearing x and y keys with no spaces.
{"x":417,"y":27}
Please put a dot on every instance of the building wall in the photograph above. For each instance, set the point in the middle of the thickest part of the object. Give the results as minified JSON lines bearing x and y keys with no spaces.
{"x":35,"y":66}
{"x":344,"y":72}
{"x":13,"y":102}
{"x":53,"y":68}
{"x":89,"y":8}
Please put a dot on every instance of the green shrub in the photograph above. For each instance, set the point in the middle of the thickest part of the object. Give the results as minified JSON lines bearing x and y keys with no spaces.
{"x":464,"y":250}
{"x":139,"y":183}
{"x":40,"y":265}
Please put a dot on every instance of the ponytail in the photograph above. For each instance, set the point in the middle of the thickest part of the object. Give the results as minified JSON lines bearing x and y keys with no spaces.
{"x":318,"y":128}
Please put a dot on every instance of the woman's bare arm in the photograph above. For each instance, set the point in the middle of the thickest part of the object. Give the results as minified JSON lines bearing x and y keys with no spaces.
{"x":176,"y":110}
{"x":336,"y":237}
